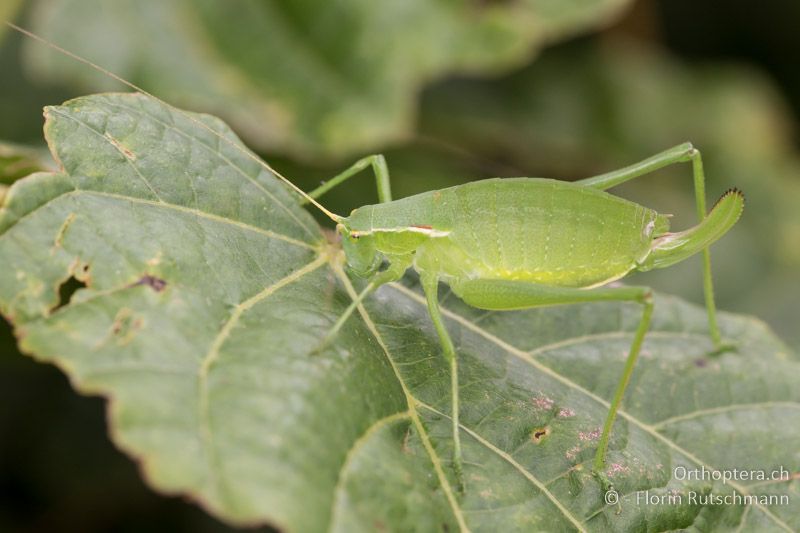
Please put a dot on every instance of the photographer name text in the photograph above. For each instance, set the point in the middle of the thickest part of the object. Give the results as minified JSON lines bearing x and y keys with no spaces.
{"x":645,"y":497}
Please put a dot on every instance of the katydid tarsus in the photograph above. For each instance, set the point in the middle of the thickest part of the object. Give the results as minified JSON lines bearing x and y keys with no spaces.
{"x":515,"y":243}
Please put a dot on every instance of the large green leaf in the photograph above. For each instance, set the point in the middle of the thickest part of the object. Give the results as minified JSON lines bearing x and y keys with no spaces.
{"x":310,"y":77}
{"x":208,"y":290}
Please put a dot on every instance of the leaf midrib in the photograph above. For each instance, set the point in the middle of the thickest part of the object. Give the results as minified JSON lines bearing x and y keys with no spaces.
{"x":207,"y":363}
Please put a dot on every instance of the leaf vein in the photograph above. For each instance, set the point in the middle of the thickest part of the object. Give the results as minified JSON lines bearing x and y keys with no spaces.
{"x":510,"y":460}
{"x":219,"y":154}
{"x":188,"y":210}
{"x":371,"y":430}
{"x":116,"y":147}
{"x":211,"y":356}
{"x":724,"y":409}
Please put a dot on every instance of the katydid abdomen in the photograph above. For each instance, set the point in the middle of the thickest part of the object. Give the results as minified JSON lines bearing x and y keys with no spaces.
{"x":537,"y":230}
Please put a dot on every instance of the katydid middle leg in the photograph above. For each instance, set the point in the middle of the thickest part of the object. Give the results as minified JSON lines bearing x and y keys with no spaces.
{"x":430,"y":284}
{"x":679,"y":154}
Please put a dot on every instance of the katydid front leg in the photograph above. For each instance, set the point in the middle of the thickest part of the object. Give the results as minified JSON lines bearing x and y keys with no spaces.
{"x":379,"y":168}
{"x":394,"y":271}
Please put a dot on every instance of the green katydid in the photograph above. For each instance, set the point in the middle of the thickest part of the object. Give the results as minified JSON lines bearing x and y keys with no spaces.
{"x":514,"y":243}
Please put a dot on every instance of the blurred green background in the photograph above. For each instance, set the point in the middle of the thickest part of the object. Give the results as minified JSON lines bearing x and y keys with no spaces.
{"x":450,"y":92}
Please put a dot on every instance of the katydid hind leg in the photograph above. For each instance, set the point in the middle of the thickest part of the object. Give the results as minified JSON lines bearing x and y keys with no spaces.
{"x":430,"y":284}
{"x":599,"y":464}
{"x":708,"y":283}
{"x":379,"y":168}
{"x":505,"y":294}
{"x":678,"y":154}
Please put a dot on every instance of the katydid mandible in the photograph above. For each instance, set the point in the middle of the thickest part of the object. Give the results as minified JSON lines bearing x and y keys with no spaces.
{"x":515,"y":243}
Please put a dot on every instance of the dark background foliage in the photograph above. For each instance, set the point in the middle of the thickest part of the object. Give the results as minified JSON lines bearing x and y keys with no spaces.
{"x":579,"y":108}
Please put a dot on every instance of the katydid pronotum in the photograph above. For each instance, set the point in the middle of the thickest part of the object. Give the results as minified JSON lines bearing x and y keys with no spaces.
{"x":514,"y":243}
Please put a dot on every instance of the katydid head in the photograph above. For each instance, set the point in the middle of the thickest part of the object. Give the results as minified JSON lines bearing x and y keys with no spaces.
{"x":670,"y":248}
{"x":360,"y":252}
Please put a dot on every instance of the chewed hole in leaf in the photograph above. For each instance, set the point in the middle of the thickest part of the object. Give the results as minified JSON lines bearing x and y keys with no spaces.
{"x":67,"y":289}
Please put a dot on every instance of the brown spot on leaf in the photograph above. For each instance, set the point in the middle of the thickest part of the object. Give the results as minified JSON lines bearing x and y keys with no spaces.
{"x":405,"y":448}
{"x":125,"y":326}
{"x":118,"y":145}
{"x":539,"y":434}
{"x":157,"y":284}
{"x":62,"y":231}
{"x":421,"y":226}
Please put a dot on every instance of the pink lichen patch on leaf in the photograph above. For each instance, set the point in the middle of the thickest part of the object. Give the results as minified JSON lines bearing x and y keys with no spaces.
{"x":542,"y":402}
{"x":572,"y":452}
{"x":589,"y":435}
{"x":616,"y":468}
{"x":565,"y":412}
